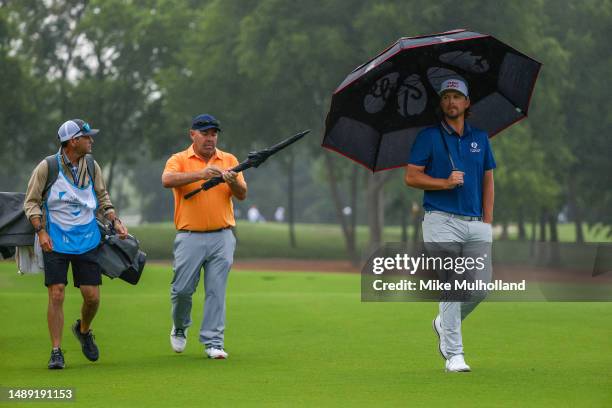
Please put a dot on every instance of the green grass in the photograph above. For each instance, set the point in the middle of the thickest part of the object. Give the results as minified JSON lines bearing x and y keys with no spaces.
{"x":305,"y":339}
{"x":264,"y":240}
{"x":271,"y":240}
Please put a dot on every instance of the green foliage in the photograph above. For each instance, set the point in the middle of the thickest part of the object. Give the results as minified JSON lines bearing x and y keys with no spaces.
{"x":304,"y":339}
{"x":523,"y":178}
{"x":140,"y":70}
{"x":19,"y":133}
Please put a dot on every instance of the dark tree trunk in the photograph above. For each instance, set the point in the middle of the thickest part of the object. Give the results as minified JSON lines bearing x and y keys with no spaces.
{"x":522,"y":233}
{"x":579,"y":230}
{"x":534,"y":229}
{"x":353,"y":224}
{"x":542,"y":249}
{"x":291,"y":200}
{"x":347,"y":231}
{"x":574,"y":210}
{"x":555,"y":255}
{"x":66,"y":66}
{"x":404,"y":221}
{"x":543,"y":220}
{"x":376,"y":208}
{"x":416,"y":222}
{"x":111,"y":174}
{"x":554,"y":231}
{"x":504,"y":234}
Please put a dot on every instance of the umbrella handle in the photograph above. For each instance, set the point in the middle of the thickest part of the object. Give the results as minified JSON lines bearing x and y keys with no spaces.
{"x":192,"y":193}
{"x":450,"y":157}
{"x":205,"y":186}
{"x":456,"y":169}
{"x":212,"y":182}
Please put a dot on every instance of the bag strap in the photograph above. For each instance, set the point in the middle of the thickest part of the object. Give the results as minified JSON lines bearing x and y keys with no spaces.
{"x":53,"y":172}
{"x":91,"y":167}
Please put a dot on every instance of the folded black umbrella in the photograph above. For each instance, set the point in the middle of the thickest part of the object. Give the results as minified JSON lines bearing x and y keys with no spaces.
{"x":380,"y":107}
{"x":15,"y":228}
{"x":254,"y":159}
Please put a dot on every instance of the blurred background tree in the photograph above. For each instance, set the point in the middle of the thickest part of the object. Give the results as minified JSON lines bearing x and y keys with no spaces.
{"x":140,"y":70}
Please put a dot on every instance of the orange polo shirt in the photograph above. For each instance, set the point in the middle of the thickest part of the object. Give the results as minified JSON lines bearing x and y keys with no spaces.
{"x":207,"y":210}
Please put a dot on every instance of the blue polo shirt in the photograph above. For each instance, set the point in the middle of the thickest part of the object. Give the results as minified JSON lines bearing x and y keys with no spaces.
{"x":471,"y":153}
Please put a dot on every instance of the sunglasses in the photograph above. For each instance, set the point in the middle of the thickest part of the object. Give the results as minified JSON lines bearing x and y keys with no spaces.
{"x":85,"y":128}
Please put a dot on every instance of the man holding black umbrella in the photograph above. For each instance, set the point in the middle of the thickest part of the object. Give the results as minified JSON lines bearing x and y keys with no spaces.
{"x":204,"y":237}
{"x":453,"y":162}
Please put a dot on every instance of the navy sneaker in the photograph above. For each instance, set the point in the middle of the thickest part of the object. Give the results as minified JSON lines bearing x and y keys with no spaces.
{"x":56,"y":362}
{"x":88,"y":345}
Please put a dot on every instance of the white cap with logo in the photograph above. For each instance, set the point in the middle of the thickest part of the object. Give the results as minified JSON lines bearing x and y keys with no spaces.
{"x":454,"y":85}
{"x":74,"y":128}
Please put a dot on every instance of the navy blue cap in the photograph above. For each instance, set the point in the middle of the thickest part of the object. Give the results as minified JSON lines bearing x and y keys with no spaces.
{"x":205,"y":121}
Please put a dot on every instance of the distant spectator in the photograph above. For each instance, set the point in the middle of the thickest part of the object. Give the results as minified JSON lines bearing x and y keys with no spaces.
{"x":279,"y":214}
{"x":254,"y":215}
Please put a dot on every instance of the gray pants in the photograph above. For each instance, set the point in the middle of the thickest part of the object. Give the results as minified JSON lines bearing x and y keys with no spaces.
{"x":458,"y":238}
{"x":192,"y":251}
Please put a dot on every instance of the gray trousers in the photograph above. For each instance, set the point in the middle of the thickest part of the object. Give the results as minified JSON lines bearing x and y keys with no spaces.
{"x":458,"y":238}
{"x":215,"y":252}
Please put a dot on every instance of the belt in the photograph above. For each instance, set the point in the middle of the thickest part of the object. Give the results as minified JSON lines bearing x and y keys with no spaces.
{"x":182,"y":231}
{"x":457,"y":216}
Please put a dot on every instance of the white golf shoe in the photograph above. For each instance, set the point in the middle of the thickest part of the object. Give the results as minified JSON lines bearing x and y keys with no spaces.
{"x":216,"y":353}
{"x":437,"y":327}
{"x":456,"y":364}
{"x":178,"y":339}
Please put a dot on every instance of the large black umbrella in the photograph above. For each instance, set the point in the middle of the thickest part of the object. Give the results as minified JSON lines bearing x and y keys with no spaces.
{"x":379,"y":108}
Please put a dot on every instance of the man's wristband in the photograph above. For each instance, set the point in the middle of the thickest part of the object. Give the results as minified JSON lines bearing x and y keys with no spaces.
{"x":39,"y":228}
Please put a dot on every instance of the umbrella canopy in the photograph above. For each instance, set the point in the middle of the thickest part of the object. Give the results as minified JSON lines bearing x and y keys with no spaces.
{"x":379,"y":108}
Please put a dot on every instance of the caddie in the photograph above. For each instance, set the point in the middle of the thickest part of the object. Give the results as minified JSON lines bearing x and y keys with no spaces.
{"x":64,"y":193}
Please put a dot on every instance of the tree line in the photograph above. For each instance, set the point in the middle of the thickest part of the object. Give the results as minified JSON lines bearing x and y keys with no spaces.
{"x":141,"y":69}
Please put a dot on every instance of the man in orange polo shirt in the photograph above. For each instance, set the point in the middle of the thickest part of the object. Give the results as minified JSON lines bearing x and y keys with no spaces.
{"x":204,"y":237}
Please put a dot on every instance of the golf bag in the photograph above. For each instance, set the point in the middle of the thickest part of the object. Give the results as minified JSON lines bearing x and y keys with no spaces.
{"x":120,"y":258}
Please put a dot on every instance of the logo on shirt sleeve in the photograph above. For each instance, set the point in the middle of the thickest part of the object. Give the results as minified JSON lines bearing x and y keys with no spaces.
{"x":474,"y":147}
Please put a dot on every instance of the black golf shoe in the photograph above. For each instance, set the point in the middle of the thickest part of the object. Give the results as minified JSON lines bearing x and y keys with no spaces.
{"x":56,"y":362}
{"x":88,"y":345}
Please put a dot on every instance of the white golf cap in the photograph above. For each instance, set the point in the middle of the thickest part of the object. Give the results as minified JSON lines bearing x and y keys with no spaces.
{"x":454,"y":85}
{"x":74,"y":128}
